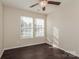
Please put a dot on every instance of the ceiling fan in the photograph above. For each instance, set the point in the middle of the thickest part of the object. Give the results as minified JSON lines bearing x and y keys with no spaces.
{"x":44,"y":3}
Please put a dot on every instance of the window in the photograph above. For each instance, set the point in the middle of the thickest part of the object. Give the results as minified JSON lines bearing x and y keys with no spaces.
{"x":27,"y":27}
{"x":32,"y":27}
{"x":39,"y":27}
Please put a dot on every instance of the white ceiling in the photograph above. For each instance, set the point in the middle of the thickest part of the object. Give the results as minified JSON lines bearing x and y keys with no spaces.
{"x":24,"y":4}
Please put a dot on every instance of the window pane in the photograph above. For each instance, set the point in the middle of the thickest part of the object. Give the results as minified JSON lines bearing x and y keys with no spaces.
{"x":39,"y":27}
{"x":27,"y":27}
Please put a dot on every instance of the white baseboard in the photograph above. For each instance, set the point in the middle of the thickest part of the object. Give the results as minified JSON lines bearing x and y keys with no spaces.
{"x":22,"y":46}
{"x":1,"y":53}
{"x":71,"y":52}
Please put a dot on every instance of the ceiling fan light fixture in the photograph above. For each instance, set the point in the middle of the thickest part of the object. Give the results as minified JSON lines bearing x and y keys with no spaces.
{"x":43,"y":3}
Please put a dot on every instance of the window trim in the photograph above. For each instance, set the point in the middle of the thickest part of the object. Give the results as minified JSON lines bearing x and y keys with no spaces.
{"x":45,"y":29}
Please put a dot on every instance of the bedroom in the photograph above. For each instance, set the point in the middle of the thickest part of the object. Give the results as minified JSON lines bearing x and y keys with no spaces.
{"x":59,"y":25}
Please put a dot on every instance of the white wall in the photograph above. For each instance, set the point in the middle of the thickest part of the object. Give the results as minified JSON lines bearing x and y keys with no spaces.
{"x":64,"y":22}
{"x":1,"y":30}
{"x":12,"y":37}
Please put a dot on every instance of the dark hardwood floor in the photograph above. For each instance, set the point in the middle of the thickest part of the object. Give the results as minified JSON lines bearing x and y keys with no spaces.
{"x":42,"y":51}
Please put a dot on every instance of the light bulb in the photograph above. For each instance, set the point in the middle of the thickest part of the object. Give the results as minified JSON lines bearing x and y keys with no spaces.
{"x":43,"y":3}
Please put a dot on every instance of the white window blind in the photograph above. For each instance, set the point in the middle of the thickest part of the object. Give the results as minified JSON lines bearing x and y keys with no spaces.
{"x":27,"y":27}
{"x":39,"y":27}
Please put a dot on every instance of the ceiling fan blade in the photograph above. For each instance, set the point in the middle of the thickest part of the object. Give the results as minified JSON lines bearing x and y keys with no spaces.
{"x":54,"y":2}
{"x":34,"y":5}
